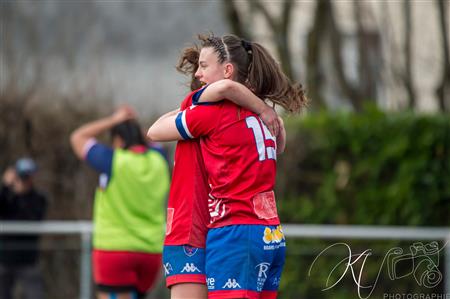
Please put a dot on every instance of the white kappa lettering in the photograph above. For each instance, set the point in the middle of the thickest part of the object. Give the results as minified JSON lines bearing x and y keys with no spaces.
{"x":190,"y":268}
{"x":231,"y":284}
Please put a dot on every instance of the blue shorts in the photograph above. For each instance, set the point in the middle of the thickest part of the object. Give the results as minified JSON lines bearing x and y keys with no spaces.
{"x":244,"y":261}
{"x":184,"y":264}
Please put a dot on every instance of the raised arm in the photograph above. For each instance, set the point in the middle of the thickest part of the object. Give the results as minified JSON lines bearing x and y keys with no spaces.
{"x":165,"y":129}
{"x":242,"y":96}
{"x":80,"y":136}
{"x":170,"y":113}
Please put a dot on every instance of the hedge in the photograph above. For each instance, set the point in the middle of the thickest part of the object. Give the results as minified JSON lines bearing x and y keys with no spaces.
{"x":372,"y":168}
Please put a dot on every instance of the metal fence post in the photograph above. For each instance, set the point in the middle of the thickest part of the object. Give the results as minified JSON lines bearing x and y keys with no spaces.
{"x":85,"y":267}
{"x":447,"y":267}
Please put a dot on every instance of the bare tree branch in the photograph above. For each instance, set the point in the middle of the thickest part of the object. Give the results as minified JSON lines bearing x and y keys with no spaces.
{"x":234,"y":19}
{"x":256,"y":4}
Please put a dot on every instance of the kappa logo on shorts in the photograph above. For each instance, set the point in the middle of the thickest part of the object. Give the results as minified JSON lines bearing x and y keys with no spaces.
{"x":167,"y":268}
{"x":274,"y":238}
{"x":189,"y":250}
{"x":231,"y":284}
{"x":190,"y":267}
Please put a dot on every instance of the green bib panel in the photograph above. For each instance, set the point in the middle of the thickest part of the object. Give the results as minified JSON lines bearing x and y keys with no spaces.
{"x":129,"y":214}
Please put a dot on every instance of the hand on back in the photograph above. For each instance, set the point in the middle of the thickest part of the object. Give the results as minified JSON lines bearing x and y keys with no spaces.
{"x":271,"y":120}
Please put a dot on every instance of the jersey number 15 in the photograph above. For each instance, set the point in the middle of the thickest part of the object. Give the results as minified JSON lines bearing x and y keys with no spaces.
{"x":264,"y":152}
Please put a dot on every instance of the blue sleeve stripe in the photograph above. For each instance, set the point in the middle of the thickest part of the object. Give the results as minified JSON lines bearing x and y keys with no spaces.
{"x":180,"y":122}
{"x":196,"y":96}
{"x":183,"y":119}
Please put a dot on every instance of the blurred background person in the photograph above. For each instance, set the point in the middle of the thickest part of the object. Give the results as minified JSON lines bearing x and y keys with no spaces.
{"x":20,"y":201}
{"x":129,"y":205}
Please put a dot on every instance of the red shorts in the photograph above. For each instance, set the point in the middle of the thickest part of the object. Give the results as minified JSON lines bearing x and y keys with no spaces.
{"x":121,"y":271}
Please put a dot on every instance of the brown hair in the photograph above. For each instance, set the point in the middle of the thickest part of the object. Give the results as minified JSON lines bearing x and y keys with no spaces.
{"x":131,"y":133}
{"x":255,"y":67}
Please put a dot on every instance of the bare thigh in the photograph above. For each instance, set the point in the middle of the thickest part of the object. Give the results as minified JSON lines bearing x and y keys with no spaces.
{"x":189,"y":291}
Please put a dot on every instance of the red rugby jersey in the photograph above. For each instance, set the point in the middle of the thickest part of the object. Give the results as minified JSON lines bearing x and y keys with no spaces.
{"x":187,"y":211}
{"x":240,"y":159}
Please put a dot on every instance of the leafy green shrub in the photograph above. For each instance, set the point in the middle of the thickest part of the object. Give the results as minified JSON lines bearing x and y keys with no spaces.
{"x":371,"y":168}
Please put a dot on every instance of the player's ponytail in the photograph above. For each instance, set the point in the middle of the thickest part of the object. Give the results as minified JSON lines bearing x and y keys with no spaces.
{"x":268,"y":81}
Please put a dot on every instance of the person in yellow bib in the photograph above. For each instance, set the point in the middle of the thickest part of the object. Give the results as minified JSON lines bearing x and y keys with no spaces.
{"x":129,"y":205}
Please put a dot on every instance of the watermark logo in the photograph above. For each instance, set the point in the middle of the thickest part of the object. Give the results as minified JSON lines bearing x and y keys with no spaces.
{"x":416,"y":296}
{"x":421,"y":262}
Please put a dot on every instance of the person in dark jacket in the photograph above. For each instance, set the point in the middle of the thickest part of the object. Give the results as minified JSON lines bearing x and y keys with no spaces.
{"x":20,"y":201}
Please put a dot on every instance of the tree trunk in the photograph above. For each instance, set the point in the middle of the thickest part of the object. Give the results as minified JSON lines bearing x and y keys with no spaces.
{"x":366,"y":44}
{"x":348,"y":89}
{"x":408,"y":75}
{"x":443,"y":90}
{"x":280,"y":31}
{"x":284,"y":44}
{"x":314,"y":74}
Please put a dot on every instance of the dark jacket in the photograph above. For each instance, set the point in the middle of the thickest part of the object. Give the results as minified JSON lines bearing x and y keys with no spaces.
{"x":20,"y":249}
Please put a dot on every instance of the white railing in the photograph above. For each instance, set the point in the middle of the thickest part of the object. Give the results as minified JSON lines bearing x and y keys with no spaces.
{"x":81,"y":228}
{"x":84,"y":229}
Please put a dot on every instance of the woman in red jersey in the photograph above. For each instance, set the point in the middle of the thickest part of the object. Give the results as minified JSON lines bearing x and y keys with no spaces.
{"x":187,"y":213}
{"x":245,"y":246}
